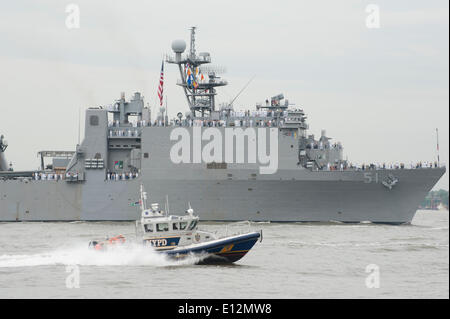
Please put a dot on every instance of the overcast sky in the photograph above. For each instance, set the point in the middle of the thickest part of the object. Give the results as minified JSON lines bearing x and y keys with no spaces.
{"x":382,"y":91}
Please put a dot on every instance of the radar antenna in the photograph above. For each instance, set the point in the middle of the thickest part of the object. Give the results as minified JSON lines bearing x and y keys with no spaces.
{"x":200,"y":93}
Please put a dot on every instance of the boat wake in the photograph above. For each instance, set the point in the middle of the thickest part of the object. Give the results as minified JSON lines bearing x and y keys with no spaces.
{"x":125,"y":255}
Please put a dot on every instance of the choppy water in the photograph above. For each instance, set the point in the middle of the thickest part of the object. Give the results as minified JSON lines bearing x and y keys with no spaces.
{"x":293,"y":261}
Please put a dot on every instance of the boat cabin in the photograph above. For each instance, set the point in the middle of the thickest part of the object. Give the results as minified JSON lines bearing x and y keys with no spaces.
{"x":164,"y":231}
{"x":155,"y":221}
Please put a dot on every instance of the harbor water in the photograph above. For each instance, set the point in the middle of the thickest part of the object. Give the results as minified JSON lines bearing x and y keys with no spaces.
{"x":294,"y":260}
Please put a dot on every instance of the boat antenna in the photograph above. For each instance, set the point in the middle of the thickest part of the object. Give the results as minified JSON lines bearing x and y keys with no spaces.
{"x":242,"y":90}
{"x":166,"y":119}
{"x":143,"y":198}
{"x":79,"y":124}
{"x":136,"y":228}
{"x":167,"y":205}
{"x":437,"y":145}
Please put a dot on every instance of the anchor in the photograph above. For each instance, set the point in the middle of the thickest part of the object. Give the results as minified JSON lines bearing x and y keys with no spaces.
{"x":390,"y":181}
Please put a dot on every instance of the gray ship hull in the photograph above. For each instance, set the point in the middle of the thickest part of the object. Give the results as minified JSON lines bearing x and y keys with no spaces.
{"x":345,"y":196}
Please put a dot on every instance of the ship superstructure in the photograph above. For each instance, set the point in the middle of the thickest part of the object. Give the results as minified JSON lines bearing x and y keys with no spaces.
{"x":257,"y":164}
{"x":200,"y":93}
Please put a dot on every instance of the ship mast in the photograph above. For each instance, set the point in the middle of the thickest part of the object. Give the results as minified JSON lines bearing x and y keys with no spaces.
{"x":192,"y":49}
{"x":200,"y":93}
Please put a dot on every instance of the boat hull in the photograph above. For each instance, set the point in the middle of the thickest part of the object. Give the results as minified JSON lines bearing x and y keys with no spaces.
{"x":221,"y":251}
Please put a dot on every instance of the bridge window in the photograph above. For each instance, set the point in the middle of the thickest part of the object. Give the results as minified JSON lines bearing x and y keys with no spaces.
{"x":175,"y":226}
{"x":148,"y":228}
{"x":183,"y":225}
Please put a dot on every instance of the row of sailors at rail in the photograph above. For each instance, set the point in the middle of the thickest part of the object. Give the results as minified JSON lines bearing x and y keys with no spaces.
{"x":237,"y":123}
{"x":259,"y":113}
{"x":233,"y":114}
{"x":125,"y":133}
{"x":57,"y":177}
{"x":198,"y":123}
{"x":47,"y":176}
{"x":110,"y":176}
{"x":140,"y":123}
{"x":323,"y":146}
{"x":53,"y":176}
{"x":377,"y":166}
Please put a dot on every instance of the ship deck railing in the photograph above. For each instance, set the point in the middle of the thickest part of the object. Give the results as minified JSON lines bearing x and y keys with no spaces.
{"x":235,"y":119}
{"x":169,"y":58}
{"x":383,"y":168}
{"x":203,"y":85}
{"x":229,"y":122}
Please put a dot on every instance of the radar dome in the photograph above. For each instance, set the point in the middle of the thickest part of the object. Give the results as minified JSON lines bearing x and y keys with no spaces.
{"x":178,"y":46}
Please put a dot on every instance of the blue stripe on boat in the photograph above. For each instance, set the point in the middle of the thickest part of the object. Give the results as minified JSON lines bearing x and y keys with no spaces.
{"x":240,"y":243}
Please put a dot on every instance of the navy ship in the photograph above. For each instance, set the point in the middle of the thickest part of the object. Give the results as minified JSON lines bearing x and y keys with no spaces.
{"x":258,"y":164}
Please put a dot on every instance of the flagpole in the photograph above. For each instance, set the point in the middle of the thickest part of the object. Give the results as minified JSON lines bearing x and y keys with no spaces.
{"x":165,"y":98}
{"x":167,"y":112}
{"x":437,"y":145}
{"x":79,"y":124}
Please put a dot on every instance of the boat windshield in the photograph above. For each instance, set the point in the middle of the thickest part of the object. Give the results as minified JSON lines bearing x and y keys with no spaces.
{"x":162,"y":227}
{"x":193,"y":224}
{"x":148,"y":228}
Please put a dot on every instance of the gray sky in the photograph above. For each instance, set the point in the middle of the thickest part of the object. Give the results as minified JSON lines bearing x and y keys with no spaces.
{"x":381,"y":92}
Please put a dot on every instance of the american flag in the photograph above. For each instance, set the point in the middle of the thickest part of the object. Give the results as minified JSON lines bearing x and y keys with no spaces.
{"x":161,"y":84}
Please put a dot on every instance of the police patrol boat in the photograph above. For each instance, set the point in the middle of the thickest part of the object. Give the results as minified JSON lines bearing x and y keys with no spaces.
{"x":178,"y":236}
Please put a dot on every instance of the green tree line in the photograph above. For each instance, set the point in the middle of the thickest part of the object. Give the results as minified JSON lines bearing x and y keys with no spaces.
{"x":434,"y":198}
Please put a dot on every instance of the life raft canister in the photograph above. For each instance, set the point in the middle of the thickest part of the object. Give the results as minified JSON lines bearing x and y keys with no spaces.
{"x":117,"y":239}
